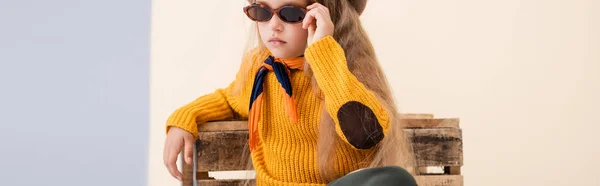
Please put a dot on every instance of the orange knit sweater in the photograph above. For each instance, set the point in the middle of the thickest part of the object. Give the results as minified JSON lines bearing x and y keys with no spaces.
{"x":286,"y":152}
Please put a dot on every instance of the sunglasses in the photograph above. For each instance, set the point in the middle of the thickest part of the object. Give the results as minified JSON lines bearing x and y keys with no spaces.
{"x":262,"y":13}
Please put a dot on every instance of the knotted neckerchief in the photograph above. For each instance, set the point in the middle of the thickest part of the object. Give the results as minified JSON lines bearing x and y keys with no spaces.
{"x":282,"y":68}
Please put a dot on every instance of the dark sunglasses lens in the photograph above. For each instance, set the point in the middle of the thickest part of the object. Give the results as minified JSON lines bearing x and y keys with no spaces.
{"x":259,"y":14}
{"x":292,"y":14}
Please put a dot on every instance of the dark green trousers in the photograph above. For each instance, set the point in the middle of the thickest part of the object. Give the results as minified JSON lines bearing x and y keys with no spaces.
{"x":380,"y":176}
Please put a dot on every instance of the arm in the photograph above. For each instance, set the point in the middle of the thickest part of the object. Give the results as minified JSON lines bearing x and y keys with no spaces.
{"x":221,"y":104}
{"x":209,"y":107}
{"x":360,"y":119}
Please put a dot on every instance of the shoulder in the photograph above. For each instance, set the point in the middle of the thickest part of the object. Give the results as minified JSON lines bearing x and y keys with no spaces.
{"x":255,"y":54}
{"x":252,"y":58}
{"x":251,"y":61}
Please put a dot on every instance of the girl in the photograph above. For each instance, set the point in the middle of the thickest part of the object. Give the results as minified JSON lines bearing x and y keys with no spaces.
{"x":318,"y":105}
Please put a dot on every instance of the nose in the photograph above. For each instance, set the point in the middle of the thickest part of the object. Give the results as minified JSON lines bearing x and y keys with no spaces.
{"x":276,"y":24}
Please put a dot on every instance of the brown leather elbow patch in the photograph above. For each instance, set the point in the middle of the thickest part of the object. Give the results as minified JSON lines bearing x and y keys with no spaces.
{"x":360,"y":125}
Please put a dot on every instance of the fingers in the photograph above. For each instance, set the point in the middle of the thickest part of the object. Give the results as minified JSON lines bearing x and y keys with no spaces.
{"x":315,"y":4}
{"x":323,"y":11}
{"x":312,"y":17}
{"x":188,"y":150}
{"x":308,"y":19}
{"x":172,"y":164}
{"x":170,"y":158}
{"x":316,"y":13}
{"x":172,"y":167}
{"x":309,"y":23}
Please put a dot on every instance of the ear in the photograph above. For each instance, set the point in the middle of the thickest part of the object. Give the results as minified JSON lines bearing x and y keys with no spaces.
{"x":359,"y":5}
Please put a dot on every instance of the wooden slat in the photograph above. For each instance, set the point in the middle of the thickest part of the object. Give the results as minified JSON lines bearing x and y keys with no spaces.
{"x":437,"y":147}
{"x":187,"y":171}
{"x":432,"y":123}
{"x":223,"y":126}
{"x":438,"y":180}
{"x":410,"y":123}
{"x":220,"y":151}
{"x":229,"y":182}
{"x":417,"y":116}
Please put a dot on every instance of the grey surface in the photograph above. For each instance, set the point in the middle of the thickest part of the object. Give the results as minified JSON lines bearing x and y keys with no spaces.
{"x":74,"y":92}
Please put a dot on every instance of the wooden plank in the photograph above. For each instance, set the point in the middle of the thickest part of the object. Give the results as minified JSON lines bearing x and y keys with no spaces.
{"x":438,"y":180}
{"x":410,"y":123}
{"x":187,"y":170}
{"x":437,"y":147}
{"x":224,"y":182}
{"x":223,"y":125}
{"x":220,"y":151}
{"x":416,"y":116}
{"x":432,"y":123}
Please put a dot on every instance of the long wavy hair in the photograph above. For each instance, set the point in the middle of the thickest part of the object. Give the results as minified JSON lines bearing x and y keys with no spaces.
{"x":395,"y":149}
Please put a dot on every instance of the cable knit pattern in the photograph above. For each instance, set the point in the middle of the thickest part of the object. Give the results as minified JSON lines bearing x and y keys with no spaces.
{"x":286,"y":153}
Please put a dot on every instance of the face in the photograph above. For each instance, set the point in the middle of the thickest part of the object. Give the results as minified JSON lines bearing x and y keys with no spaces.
{"x":283,"y":39}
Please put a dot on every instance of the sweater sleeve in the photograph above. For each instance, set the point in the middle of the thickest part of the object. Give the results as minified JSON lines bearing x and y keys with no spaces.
{"x":222,"y":104}
{"x":215,"y":106}
{"x":360,"y":118}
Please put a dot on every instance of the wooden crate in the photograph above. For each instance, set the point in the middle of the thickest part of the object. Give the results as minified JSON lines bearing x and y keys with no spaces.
{"x":437,"y":144}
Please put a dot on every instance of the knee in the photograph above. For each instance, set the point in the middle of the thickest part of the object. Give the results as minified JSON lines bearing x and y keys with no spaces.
{"x":395,"y":170}
{"x":380,"y":176}
{"x":394,"y":176}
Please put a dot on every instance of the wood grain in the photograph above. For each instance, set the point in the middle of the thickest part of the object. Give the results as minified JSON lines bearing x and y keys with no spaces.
{"x":187,"y":170}
{"x":437,"y":147}
{"x":432,"y":123}
{"x":436,"y":142}
{"x":440,"y":180}
{"x":417,"y":116}
{"x":437,"y":180}
{"x":224,"y":182}
{"x":223,"y":126}
{"x":220,"y":151}
{"x":414,"y":122}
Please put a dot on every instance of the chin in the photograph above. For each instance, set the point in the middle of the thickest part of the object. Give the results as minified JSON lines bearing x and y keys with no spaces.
{"x":279,"y":53}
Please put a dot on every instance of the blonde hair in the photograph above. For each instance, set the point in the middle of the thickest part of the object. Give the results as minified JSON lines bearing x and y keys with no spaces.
{"x":395,"y":149}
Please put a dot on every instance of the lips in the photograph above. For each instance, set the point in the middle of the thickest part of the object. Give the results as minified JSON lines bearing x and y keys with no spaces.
{"x":276,"y":41}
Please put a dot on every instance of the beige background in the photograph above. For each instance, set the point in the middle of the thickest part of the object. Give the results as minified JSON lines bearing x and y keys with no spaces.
{"x":523,"y":76}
